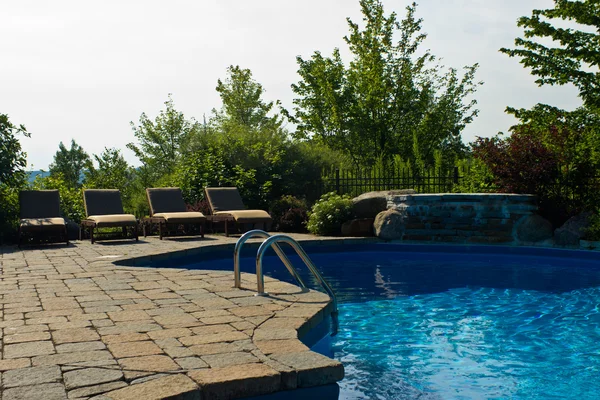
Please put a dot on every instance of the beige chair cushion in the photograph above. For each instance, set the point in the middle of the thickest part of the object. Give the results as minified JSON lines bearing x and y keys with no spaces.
{"x":114,"y":220}
{"x":42,"y":223}
{"x":247,"y":216}
{"x":188,"y":217}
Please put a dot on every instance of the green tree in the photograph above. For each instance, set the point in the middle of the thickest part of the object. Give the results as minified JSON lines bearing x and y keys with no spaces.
{"x":250,"y":139}
{"x":162,"y":142}
{"x":12,"y":158}
{"x":13,"y":161}
{"x":392,"y":99}
{"x":242,"y":101}
{"x":112,"y":172}
{"x":558,"y":56}
{"x":573,"y":57}
{"x":70,"y":164}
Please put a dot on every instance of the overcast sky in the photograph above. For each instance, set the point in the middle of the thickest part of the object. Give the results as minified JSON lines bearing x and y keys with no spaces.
{"x":83,"y":70}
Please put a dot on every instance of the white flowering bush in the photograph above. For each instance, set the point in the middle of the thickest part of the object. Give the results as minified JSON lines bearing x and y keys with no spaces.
{"x":329,"y":213}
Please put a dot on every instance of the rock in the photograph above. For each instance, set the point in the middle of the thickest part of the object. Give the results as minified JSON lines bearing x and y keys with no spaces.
{"x":572,"y":230}
{"x":533,"y":228}
{"x":389,"y":225}
{"x":368,"y":205}
{"x":358,"y":227}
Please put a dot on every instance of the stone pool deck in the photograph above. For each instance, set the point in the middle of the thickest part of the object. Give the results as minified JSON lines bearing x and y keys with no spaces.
{"x":76,"y":325}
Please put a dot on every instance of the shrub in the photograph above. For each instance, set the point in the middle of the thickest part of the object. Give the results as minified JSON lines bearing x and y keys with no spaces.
{"x":592,"y":232}
{"x":199,"y":206}
{"x":9,"y":213}
{"x":289,"y":214}
{"x":71,"y":199}
{"x":329,"y":213}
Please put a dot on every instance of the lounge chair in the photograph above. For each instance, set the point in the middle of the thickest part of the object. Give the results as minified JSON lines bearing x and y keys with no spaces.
{"x":226,"y":201}
{"x":40,"y":215}
{"x":167,"y":209}
{"x":104,"y":209}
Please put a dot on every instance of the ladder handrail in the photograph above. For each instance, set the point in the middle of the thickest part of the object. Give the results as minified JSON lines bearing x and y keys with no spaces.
{"x":238,"y":249}
{"x":273,"y":241}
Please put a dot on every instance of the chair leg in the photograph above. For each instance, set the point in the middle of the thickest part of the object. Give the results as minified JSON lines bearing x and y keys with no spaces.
{"x":144,"y":228}
{"x":66,"y":235}
{"x":136,"y":232}
{"x":92,"y":234}
{"x":160,"y":230}
{"x":202,"y":227}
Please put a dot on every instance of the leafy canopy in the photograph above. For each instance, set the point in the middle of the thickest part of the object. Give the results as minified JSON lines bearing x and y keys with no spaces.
{"x":112,"y":172}
{"x":12,"y":158}
{"x":392,"y":99}
{"x":162,"y":142}
{"x":70,"y":164}
{"x":573,"y":57}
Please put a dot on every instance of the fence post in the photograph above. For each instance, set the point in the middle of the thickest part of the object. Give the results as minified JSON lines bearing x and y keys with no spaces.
{"x":455,"y":176}
{"x":337,"y":181}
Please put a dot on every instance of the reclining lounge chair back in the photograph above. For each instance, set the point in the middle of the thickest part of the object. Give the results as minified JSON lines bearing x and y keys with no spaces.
{"x":167,"y":209}
{"x":40,"y":214}
{"x":227,"y":201}
{"x":104,"y":209}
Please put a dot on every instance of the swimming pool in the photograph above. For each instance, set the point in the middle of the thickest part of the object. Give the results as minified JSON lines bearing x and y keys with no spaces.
{"x":440,"y":322}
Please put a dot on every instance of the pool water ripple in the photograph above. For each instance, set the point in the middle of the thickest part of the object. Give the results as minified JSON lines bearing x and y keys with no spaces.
{"x":479,"y":343}
{"x":435,"y":325}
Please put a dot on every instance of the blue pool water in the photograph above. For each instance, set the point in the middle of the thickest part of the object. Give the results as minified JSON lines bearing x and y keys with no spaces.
{"x":462,"y":324}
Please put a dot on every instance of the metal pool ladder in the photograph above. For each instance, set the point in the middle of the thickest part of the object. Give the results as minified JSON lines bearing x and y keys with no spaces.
{"x":273,"y":241}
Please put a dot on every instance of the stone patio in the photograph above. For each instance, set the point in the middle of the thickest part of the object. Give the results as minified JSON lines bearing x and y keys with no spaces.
{"x":76,"y":325}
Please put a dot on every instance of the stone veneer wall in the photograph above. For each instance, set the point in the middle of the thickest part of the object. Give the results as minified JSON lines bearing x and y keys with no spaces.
{"x":462,"y":218}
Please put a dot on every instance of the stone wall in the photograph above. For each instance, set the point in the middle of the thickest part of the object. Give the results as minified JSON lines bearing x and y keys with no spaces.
{"x":462,"y":218}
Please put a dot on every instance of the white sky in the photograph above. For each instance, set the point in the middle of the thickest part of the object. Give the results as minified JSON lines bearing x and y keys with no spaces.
{"x":83,"y":70}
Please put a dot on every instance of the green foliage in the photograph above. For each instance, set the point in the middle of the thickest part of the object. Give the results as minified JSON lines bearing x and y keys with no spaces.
{"x":13,"y":161}
{"x":477,"y":179}
{"x":9,"y":212}
{"x":329,"y":213}
{"x":573,"y":58}
{"x":242,"y":101}
{"x":244,"y":145}
{"x":71,"y":198}
{"x":12,"y":158}
{"x":592,"y":232}
{"x":392,"y":99}
{"x":70,"y":164}
{"x":208,"y":168}
{"x":289,"y":214}
{"x":112,"y":172}
{"x":162,"y":142}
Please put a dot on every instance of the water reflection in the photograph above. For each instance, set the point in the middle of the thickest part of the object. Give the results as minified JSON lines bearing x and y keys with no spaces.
{"x":363,"y":276}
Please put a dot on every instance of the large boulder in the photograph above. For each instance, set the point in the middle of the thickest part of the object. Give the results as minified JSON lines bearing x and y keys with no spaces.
{"x":572,"y":230}
{"x":368,"y":205}
{"x":389,"y":225}
{"x":533,"y":228}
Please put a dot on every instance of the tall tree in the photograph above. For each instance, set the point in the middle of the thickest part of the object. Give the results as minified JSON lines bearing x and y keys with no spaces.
{"x":559,"y":54}
{"x":13,"y":159}
{"x":573,"y":57}
{"x":70,"y":163}
{"x":392,"y":99}
{"x":242,"y":100}
{"x":111,"y":172}
{"x":162,"y":141}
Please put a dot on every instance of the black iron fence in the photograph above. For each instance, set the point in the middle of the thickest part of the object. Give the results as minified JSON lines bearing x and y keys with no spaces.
{"x":357,"y":181}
